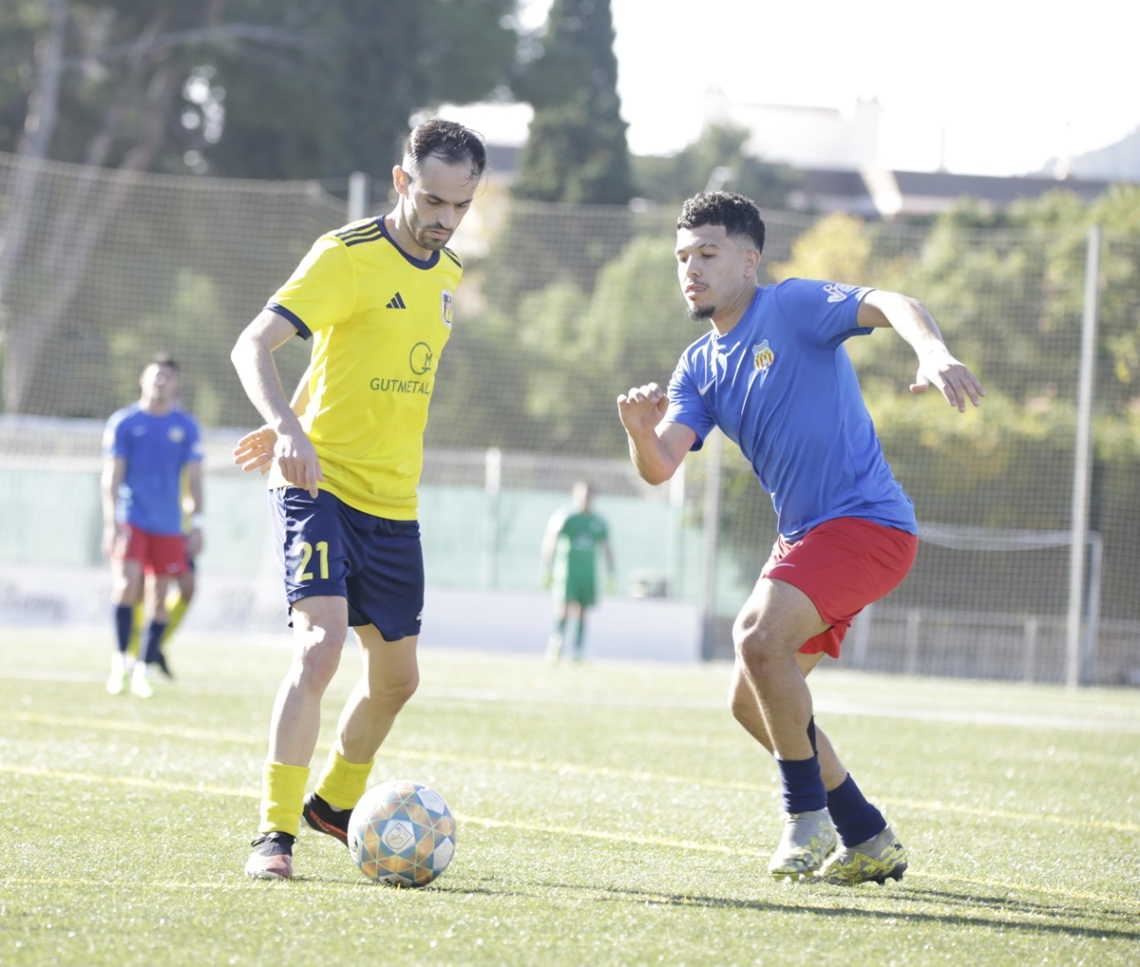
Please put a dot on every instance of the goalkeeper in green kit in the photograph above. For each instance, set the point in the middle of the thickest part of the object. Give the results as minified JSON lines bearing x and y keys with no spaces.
{"x":569,"y":566}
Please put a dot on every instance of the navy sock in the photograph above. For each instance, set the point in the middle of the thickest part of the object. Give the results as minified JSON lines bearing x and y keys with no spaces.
{"x":153,"y":637}
{"x":124,"y":618}
{"x":856,"y":820}
{"x":803,"y":786}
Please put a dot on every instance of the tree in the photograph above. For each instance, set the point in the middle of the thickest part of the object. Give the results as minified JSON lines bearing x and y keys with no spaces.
{"x":671,"y":179}
{"x":253,"y":88}
{"x":342,"y":102}
{"x":576,"y":150}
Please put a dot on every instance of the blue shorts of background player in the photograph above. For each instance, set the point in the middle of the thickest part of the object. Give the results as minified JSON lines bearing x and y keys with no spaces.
{"x":329,"y":548}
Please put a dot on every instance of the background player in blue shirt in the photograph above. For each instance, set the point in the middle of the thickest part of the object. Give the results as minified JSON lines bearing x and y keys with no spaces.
{"x":772,"y":373}
{"x":146,"y":448}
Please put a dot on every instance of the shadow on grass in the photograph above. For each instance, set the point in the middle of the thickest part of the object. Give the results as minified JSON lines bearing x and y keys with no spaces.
{"x":1048,"y":918}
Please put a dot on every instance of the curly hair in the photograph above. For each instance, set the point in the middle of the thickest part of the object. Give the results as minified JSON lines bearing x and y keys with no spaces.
{"x":738,"y":214}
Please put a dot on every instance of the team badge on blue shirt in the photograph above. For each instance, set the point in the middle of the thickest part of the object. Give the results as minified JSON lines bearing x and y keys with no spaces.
{"x":763,"y":356}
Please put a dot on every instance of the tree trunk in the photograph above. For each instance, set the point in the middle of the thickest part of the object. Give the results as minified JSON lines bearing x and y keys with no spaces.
{"x":39,"y":126}
{"x":76,"y":240}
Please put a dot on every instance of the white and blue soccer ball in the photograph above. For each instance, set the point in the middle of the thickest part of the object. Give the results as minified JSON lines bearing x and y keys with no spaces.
{"x":402,"y":832}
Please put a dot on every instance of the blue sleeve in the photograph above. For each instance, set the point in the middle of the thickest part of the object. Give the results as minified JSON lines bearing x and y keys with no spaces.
{"x":193,"y":441}
{"x":115,"y":437}
{"x":823,"y":313}
{"x":686,"y":404}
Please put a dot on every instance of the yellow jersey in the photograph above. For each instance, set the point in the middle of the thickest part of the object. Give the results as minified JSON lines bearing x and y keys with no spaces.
{"x":379,"y":319}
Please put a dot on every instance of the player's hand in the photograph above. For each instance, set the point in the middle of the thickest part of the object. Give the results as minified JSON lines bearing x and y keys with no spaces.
{"x":642,"y":408}
{"x":254,"y":451}
{"x":546,"y":579}
{"x":951,"y":377}
{"x":295,"y":457}
{"x":194,"y":543}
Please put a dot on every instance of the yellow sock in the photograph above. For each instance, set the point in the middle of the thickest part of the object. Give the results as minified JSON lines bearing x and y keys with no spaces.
{"x":282,"y":795}
{"x":343,"y":782}
{"x":176,"y":606}
{"x":136,"y":631}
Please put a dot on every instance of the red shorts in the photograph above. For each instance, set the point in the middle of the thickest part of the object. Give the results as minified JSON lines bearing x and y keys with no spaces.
{"x":842,"y":565}
{"x":161,"y":554}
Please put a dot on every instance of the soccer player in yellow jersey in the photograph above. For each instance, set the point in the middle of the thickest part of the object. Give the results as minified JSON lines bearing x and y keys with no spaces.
{"x":376,"y":297}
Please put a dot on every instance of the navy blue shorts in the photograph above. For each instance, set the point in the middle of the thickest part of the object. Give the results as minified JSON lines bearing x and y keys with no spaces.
{"x":329,"y":548}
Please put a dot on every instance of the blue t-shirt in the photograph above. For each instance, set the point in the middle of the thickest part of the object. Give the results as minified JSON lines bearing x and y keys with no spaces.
{"x":156,"y":448}
{"x":781,"y":386}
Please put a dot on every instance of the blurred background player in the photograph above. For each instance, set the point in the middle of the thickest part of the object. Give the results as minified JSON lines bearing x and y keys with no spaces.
{"x":570,"y":548}
{"x":147,"y":447}
{"x":178,"y":597}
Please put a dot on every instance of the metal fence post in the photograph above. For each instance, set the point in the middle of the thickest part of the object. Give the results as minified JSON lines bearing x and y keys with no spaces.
{"x":358,"y":202}
{"x":1082,"y":462}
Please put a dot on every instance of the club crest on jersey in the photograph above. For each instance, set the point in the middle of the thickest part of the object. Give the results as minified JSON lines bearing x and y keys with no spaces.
{"x":763,"y":356}
{"x":837,"y":291}
{"x":447,"y":308}
{"x":176,"y":434}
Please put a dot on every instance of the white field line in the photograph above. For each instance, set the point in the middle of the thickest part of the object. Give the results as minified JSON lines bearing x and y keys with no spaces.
{"x":487,"y":823}
{"x":521,"y":765}
{"x":1102,"y":717}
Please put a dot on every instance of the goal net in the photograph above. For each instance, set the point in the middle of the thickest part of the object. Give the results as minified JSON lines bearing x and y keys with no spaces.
{"x":1003,"y":613}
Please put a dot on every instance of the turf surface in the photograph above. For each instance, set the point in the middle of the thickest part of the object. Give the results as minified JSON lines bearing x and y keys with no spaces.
{"x":609,"y":813}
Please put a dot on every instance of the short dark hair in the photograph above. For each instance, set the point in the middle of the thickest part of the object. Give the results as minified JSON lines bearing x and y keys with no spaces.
{"x":448,"y":141}
{"x":163,"y":359}
{"x":738,"y":214}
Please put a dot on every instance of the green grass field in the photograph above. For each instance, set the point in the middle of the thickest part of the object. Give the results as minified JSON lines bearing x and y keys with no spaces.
{"x":608,"y":814}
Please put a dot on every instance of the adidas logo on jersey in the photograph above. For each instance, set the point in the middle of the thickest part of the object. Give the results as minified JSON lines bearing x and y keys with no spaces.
{"x":397,"y":302}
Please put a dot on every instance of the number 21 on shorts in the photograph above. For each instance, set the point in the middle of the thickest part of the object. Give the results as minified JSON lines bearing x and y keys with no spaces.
{"x":306,"y":556}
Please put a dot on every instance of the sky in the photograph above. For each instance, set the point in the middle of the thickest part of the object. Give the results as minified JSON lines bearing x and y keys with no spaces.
{"x":976,"y":86}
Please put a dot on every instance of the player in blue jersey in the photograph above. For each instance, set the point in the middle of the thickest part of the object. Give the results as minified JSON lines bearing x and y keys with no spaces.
{"x":147,"y":447}
{"x":773,"y":375}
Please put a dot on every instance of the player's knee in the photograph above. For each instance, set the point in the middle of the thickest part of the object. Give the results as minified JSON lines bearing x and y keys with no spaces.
{"x":394,"y":690}
{"x":404,"y":687}
{"x":317,"y":661}
{"x":752,"y":642}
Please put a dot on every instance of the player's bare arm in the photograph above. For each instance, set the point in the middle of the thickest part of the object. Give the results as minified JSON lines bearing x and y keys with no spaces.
{"x":656,"y":448}
{"x":936,"y":365}
{"x":114,"y":472}
{"x":252,"y":356}
{"x":254,"y":451}
{"x":194,"y":479}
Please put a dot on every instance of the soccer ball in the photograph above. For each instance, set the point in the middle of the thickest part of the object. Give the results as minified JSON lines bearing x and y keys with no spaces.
{"x":401,"y":832}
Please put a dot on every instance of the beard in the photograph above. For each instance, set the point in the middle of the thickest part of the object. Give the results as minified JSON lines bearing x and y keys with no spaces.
{"x":419,"y":231}
{"x":700,"y":313}
{"x":430,"y":242}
